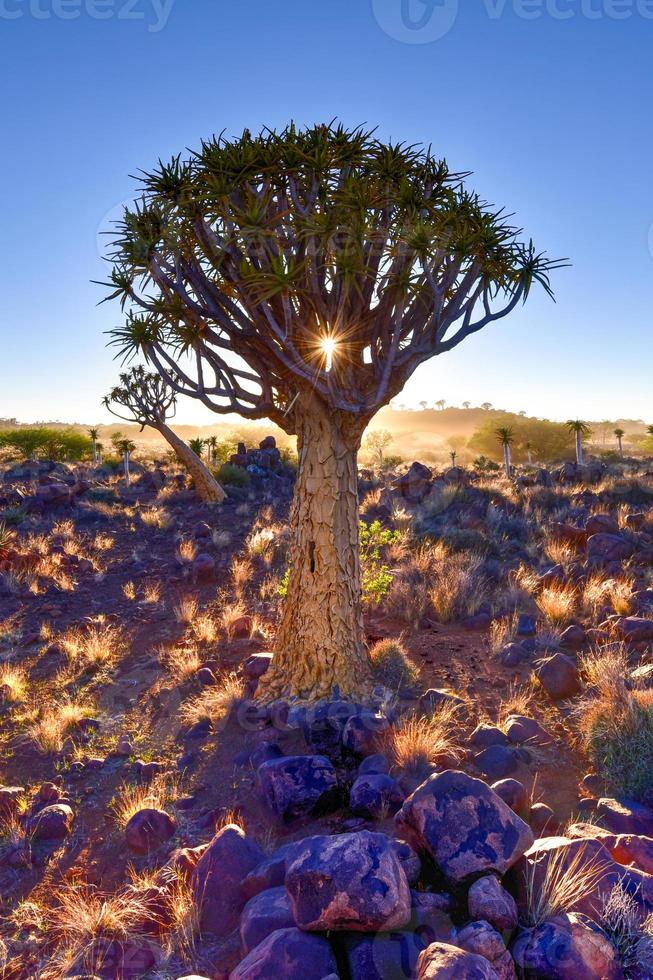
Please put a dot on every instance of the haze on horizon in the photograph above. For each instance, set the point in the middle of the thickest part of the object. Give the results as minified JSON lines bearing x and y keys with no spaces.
{"x":555,"y":136}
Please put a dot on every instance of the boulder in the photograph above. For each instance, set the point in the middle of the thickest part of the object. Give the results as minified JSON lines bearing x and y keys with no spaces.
{"x":441,"y":961}
{"x":564,"y":854}
{"x":559,"y":676}
{"x":350,"y":882}
{"x":635,"y":629}
{"x":264,"y":914}
{"x":482,"y":939}
{"x":609,"y":547}
{"x":289,"y":954}
{"x":485,"y":736}
{"x":375,"y":796}
{"x":464,"y":825}
{"x":362,"y":731}
{"x":567,"y":947}
{"x":257,"y":665}
{"x":384,"y":955}
{"x":271,"y":872}
{"x":498,"y":761}
{"x":217,"y":879}
{"x":541,"y":819}
{"x":148,"y":829}
{"x":297,"y":785}
{"x":203,"y":568}
{"x":602,"y":524}
{"x":625,"y":816}
{"x":487,"y":899}
{"x":51,"y":823}
{"x":513,"y":793}
{"x":520,"y":729}
{"x":414,"y":484}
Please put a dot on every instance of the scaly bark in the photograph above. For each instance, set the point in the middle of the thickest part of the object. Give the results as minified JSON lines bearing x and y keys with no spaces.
{"x":204,"y":482}
{"x":320,"y":643}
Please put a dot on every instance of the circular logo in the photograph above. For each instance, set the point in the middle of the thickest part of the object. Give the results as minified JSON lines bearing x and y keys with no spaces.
{"x":416,"y":21}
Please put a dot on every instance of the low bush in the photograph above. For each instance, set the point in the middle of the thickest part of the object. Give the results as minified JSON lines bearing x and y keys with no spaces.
{"x":390,"y":664}
{"x":230,"y":475}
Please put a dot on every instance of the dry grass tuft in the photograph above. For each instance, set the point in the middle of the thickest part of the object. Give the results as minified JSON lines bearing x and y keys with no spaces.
{"x":458,"y":587}
{"x":186,"y":551}
{"x":185,"y":611}
{"x":214,"y":703}
{"x":230,"y":614}
{"x":55,"y":723}
{"x":204,"y":628}
{"x":558,"y":603}
{"x":181,"y":662}
{"x":615,"y":724}
{"x":156,"y":517}
{"x":161,"y":792}
{"x":566,"y":882}
{"x":13,"y":683}
{"x":98,"y":645}
{"x":242,"y":573}
{"x":415,"y":743}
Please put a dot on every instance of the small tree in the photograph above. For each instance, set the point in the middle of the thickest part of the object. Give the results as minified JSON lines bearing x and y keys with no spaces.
{"x":93,"y":434}
{"x":486,"y":406}
{"x":147,"y":399}
{"x":126,"y":447}
{"x":506,"y":437}
{"x":376,"y":444}
{"x":441,"y":403}
{"x":580,"y":430}
{"x":212,"y":448}
{"x":467,"y":405}
{"x":620,"y":433}
{"x":197,"y":446}
{"x":303,"y":276}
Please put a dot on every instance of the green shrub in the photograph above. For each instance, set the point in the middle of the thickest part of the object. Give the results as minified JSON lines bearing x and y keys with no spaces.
{"x":618,"y":734}
{"x":56,"y":444}
{"x":391,"y":666}
{"x":233,"y":476}
{"x":464,"y":539}
{"x":376,"y":577}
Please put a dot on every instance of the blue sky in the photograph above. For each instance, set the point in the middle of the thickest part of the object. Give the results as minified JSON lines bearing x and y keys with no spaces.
{"x":547,"y":101}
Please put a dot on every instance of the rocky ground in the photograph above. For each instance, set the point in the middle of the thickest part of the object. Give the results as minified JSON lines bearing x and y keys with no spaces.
{"x":489,"y":815}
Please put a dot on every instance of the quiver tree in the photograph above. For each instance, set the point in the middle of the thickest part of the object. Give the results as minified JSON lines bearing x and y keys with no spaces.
{"x":302,"y":277}
{"x":580,"y":431}
{"x":147,"y":399}
{"x":620,"y":433}
{"x":506,"y":437}
{"x":93,"y":435}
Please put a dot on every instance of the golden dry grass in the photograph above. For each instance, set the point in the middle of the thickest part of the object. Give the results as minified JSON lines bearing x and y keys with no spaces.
{"x":214,"y":703}
{"x":204,"y":628}
{"x":186,"y":610}
{"x":416,"y":742}
{"x":230,"y":613}
{"x":55,"y":723}
{"x":242,"y":573}
{"x":157,"y":794}
{"x":558,"y":603}
{"x":14,"y":683}
{"x":181,"y":662}
{"x":391,"y":665}
{"x":566,"y":882}
{"x":458,"y":587}
{"x":98,"y":645}
{"x":157,"y":517}
{"x":186,"y":551}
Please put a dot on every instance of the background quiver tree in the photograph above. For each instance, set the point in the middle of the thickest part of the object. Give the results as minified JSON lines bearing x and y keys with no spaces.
{"x":506,"y":437}
{"x":303,"y":276}
{"x":146,"y":398}
{"x":581,"y":431}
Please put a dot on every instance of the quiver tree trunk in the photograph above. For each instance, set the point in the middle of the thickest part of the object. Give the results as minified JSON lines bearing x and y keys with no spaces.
{"x":507,"y":460}
{"x":320,"y":647}
{"x":579,"y":448}
{"x":204,"y":482}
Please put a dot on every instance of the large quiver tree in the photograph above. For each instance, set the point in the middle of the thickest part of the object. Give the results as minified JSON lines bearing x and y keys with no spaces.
{"x":303,"y":276}
{"x":147,"y":399}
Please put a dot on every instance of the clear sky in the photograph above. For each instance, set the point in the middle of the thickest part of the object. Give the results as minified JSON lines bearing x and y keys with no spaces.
{"x":547,"y":101}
